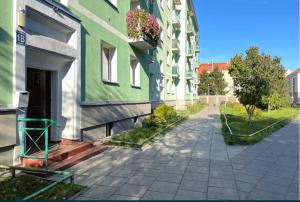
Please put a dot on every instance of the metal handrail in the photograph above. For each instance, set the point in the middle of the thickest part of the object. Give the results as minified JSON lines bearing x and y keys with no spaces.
{"x":44,"y":132}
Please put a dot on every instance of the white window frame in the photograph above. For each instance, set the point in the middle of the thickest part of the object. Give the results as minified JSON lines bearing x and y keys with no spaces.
{"x":168,"y":58}
{"x":112,"y":70}
{"x":168,"y":30}
{"x":162,"y":4}
{"x":114,"y":2}
{"x":135,"y":72}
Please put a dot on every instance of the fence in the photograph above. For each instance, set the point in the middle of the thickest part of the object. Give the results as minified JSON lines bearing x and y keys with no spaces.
{"x":217,"y":99}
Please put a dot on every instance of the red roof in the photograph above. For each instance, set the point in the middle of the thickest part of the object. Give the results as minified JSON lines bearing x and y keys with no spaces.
{"x":297,"y":71}
{"x":223,"y":66}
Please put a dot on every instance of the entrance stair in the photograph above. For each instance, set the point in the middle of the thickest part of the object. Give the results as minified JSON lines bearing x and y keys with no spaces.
{"x":64,"y":155}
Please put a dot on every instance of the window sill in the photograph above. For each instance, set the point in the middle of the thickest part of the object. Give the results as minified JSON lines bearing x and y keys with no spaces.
{"x":110,"y":83}
{"x":137,"y":87}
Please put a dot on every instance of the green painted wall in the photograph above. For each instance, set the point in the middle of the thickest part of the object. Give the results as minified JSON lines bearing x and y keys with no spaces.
{"x":6,"y":52}
{"x":93,"y":88}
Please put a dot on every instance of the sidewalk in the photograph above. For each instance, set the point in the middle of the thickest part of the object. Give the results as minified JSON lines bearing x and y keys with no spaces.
{"x":192,"y":162}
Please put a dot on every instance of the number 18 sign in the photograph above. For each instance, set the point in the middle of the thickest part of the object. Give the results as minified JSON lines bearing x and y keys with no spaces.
{"x":21,"y":38}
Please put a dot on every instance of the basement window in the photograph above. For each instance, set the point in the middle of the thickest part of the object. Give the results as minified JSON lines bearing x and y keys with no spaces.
{"x":109,"y":128}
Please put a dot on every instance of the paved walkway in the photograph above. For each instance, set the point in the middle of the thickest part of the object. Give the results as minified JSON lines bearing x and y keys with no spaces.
{"x":192,"y":162}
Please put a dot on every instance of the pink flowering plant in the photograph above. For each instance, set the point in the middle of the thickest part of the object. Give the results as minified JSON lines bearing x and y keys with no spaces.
{"x":141,"y":23}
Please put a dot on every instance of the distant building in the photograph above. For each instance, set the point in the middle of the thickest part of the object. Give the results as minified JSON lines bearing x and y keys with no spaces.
{"x":224,"y":67}
{"x":294,"y":80}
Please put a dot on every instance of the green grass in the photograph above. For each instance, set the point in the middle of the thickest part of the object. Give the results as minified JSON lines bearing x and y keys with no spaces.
{"x":25,"y":185}
{"x":238,"y":122}
{"x":140,"y":136}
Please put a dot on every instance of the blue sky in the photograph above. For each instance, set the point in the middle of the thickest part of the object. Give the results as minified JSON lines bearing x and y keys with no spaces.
{"x":228,"y":27}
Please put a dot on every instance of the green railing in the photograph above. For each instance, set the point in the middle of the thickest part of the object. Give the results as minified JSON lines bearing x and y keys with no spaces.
{"x":189,"y":51}
{"x":189,"y":74}
{"x":35,"y":141}
{"x":175,"y":17}
{"x":175,"y":71}
{"x":197,"y":48}
{"x":175,"y":44}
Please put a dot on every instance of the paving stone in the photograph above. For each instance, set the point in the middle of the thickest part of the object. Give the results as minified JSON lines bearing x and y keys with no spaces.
{"x":123,"y":173}
{"x":141,"y":180}
{"x":120,"y":197}
{"x":221,"y":174}
{"x":244,"y":186}
{"x":131,"y":190}
{"x":292,"y":196}
{"x":272,"y":188}
{"x":243,"y":195}
{"x":195,"y":176}
{"x":222,"y":193}
{"x":165,"y":187}
{"x":113,"y":181}
{"x":247,"y":178}
{"x":214,"y":182}
{"x":197,"y":169}
{"x":176,"y":170}
{"x":189,"y":195}
{"x":170,"y":177}
{"x":152,"y":195}
{"x":148,"y":172}
{"x":277,"y":180}
{"x":98,"y":192}
{"x":199,"y":186}
{"x":294,"y":188}
{"x":263,"y":195}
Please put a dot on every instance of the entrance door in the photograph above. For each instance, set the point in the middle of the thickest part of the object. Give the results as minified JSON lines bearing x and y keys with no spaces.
{"x":38,"y":84}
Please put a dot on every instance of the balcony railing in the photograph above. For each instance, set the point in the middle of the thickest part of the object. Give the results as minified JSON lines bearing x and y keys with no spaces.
{"x":196,"y":48}
{"x":189,"y":52}
{"x":143,"y":43}
{"x":175,"y":45}
{"x":177,"y":2}
{"x":175,"y":71}
{"x":189,"y":74}
{"x":176,"y":19}
{"x":189,"y":29}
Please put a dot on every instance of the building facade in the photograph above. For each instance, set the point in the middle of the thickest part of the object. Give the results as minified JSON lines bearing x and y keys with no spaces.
{"x":72,"y":61}
{"x":294,"y":81}
{"x":224,"y":67}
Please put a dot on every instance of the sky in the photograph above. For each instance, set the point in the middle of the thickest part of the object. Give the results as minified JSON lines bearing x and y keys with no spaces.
{"x":228,"y":27}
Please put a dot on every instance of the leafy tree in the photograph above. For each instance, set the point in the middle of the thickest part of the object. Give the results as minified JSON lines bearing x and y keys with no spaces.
{"x":259,"y":81}
{"x":204,"y":82}
{"x":249,"y":86}
{"x":217,"y":82}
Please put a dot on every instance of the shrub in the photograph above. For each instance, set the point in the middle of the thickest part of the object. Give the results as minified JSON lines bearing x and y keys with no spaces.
{"x":151,"y":122}
{"x":164,"y":114}
{"x":236,"y":106}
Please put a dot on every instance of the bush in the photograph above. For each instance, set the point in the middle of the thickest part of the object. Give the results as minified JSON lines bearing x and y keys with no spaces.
{"x":151,"y":122}
{"x":164,"y":114}
{"x":236,"y":106}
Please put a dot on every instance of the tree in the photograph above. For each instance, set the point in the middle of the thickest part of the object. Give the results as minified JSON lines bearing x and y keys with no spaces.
{"x":259,"y":81}
{"x":249,"y":86}
{"x":204,"y":82}
{"x":217,"y":82}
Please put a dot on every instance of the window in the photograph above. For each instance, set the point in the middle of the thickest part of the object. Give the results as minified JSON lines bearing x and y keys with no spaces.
{"x":114,"y":2}
{"x":169,"y":4}
{"x":162,"y":4}
{"x":168,"y":58}
{"x":109,"y":63}
{"x":134,"y":4}
{"x":294,"y":85}
{"x":134,"y":71}
{"x":161,"y":34}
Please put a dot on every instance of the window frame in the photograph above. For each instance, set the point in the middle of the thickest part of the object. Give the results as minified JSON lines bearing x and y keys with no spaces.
{"x":112,"y":71}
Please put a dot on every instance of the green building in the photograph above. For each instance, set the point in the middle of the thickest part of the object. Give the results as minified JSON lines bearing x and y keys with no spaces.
{"x":73,"y":62}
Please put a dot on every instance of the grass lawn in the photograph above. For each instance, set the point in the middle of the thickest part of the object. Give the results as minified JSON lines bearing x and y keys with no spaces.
{"x":237,"y":120}
{"x":140,"y":136}
{"x":25,"y":185}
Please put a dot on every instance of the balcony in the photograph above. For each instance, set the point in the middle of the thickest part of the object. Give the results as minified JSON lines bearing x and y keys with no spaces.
{"x":189,"y":74}
{"x":196,"y":81}
{"x":176,"y":19}
{"x":175,"y":71}
{"x":138,"y":36}
{"x":189,"y":30}
{"x":197,"y":48}
{"x":177,"y":2}
{"x":189,"y":52}
{"x":175,"y":45}
{"x":196,"y":64}
{"x":143,"y":43}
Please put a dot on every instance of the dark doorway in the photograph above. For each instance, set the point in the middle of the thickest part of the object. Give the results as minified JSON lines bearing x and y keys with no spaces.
{"x":38,"y":84}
